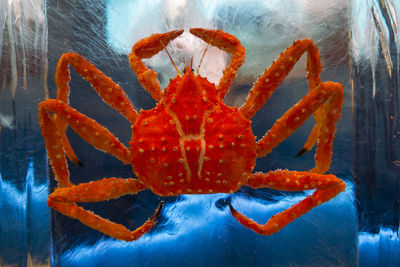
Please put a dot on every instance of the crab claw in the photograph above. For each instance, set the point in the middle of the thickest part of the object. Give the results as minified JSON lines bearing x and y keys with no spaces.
{"x":150,"y":46}
{"x":218,"y":38}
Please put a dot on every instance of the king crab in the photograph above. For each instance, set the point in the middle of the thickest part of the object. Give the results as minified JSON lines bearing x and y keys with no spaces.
{"x":191,"y":142}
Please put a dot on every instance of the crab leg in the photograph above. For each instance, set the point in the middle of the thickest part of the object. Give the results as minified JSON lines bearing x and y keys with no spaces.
{"x":229,"y":44}
{"x":274,"y":75}
{"x":100,"y":190}
{"x":109,"y":91}
{"x":326,"y":102}
{"x":62,"y":200}
{"x":325,"y":114}
{"x":87,"y":128}
{"x":146,"y":48}
{"x":327,"y":187}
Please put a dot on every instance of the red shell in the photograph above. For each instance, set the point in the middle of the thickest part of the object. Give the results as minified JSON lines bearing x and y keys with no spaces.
{"x":191,"y":142}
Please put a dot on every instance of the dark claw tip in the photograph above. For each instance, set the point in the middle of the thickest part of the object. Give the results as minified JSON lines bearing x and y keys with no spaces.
{"x":80,"y":164}
{"x":158,"y":211}
{"x":231,"y":208}
{"x":301,"y":152}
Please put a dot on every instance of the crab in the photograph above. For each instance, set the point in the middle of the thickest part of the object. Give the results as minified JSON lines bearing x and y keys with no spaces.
{"x":191,"y":142}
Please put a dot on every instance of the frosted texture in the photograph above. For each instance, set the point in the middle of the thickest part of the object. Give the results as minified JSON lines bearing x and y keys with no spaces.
{"x":375,"y":93}
{"x":359,"y":44}
{"x":199,"y":230}
{"x":24,"y":216}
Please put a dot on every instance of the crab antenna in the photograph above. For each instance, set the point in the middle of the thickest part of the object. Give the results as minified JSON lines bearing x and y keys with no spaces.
{"x":191,"y":63}
{"x":201,"y":59}
{"x":173,"y":63}
{"x":184,"y":61}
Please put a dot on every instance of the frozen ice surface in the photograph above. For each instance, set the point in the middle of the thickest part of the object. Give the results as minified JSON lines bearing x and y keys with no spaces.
{"x":359,"y":44}
{"x":23,"y":42}
{"x":24,"y":215}
{"x":199,"y":231}
{"x":380,"y":249}
{"x":375,"y":80}
{"x":265,"y":28}
{"x":375,"y":85}
{"x":25,"y":230}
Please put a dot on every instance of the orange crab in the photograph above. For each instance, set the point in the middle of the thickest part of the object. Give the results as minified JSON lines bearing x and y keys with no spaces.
{"x":191,"y":142}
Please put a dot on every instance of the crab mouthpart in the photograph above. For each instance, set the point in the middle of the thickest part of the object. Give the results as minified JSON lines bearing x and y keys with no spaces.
{"x":189,"y":85}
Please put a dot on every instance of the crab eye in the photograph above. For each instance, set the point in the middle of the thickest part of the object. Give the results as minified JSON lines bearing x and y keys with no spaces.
{"x":184,"y":70}
{"x":192,"y":70}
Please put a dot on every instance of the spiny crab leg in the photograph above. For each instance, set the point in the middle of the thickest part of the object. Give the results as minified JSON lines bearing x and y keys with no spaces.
{"x":327,"y":187}
{"x":327,"y":94}
{"x":147,"y":48}
{"x":87,"y":128}
{"x":229,"y":44}
{"x":62,"y":200}
{"x":324,"y":100}
{"x":109,"y":91}
{"x":274,"y":75}
{"x":95,"y":191}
